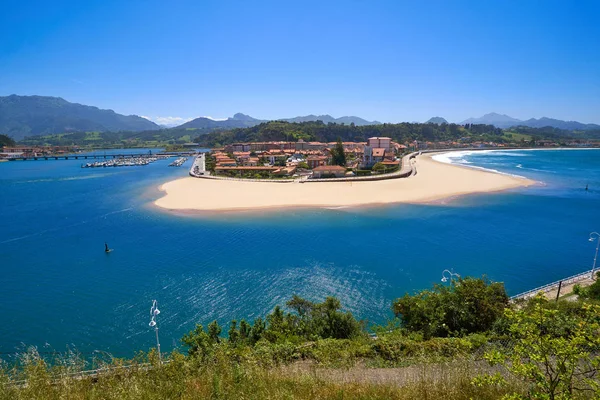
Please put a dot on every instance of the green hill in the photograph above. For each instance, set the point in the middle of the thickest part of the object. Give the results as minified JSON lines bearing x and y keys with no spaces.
{"x":22,"y":116}
{"x":436,"y":120}
{"x":6,"y":141}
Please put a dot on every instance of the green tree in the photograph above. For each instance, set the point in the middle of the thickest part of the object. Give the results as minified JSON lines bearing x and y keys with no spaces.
{"x":6,"y":141}
{"x":198,"y":341}
{"x":555,"y":352}
{"x":312,"y":320}
{"x":466,"y":306}
{"x":591,"y":292}
{"x":338,"y":156}
{"x":379,"y":167}
{"x":258,"y":329}
{"x":233,"y":334}
{"x":245,"y":330}
{"x":214,"y":331}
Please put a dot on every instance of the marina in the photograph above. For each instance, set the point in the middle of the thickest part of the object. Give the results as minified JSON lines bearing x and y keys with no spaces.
{"x":179,"y":162}
{"x":121,"y":162}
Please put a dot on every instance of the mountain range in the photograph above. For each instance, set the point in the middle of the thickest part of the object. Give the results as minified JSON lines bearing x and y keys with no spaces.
{"x":504,"y":121}
{"x":22,"y":116}
{"x":240,"y":120}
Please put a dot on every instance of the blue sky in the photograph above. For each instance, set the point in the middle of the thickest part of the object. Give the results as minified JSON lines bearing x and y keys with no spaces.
{"x":386,"y":60}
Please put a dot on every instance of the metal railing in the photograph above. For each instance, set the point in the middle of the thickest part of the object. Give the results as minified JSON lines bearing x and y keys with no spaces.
{"x":550,"y":286}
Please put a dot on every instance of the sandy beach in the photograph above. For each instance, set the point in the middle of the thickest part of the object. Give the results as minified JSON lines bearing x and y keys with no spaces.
{"x":434,"y":181}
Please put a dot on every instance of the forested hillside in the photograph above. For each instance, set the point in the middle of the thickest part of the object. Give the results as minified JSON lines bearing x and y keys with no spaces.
{"x":6,"y":141}
{"x":318,"y":131}
{"x":22,"y":116}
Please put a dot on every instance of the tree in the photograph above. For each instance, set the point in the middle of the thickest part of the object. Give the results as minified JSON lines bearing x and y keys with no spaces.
{"x":214,"y":330}
{"x":468,"y":305}
{"x":233,"y":333}
{"x":338,"y":156}
{"x":198,"y":341}
{"x":312,"y":320}
{"x":303,"y":165}
{"x":245,"y":330}
{"x":555,"y":352}
{"x":591,"y":292}
{"x":6,"y":141}
{"x":258,"y":329}
{"x":379,"y":167}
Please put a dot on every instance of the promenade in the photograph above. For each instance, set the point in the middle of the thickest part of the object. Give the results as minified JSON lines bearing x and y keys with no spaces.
{"x":566,"y":285}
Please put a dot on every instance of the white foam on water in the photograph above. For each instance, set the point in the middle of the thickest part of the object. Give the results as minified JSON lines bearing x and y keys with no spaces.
{"x":457,"y":158}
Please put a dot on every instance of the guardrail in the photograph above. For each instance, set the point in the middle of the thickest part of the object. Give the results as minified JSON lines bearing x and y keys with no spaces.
{"x":550,"y":286}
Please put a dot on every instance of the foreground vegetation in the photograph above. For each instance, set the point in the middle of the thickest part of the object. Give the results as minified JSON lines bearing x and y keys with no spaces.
{"x":462,"y":341}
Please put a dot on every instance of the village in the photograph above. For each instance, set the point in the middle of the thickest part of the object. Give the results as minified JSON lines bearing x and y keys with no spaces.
{"x":315,"y":159}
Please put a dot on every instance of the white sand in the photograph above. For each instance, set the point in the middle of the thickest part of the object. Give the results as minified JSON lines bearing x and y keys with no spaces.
{"x":434,"y":181}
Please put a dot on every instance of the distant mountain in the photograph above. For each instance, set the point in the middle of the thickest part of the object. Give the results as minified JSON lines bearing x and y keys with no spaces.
{"x":22,"y":116}
{"x":557,"y":123}
{"x":436,"y":120}
{"x":239,"y":120}
{"x":329,"y":119}
{"x":504,"y":121}
{"x":498,"y":120}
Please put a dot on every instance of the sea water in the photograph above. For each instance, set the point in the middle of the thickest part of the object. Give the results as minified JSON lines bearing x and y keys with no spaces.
{"x":59,"y":289}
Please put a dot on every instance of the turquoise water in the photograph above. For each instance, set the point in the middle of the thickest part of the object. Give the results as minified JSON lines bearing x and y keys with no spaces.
{"x":59,"y":288}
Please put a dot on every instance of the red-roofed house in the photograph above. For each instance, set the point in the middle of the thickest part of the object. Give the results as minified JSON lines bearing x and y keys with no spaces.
{"x":329,"y":170}
{"x":316,"y":161}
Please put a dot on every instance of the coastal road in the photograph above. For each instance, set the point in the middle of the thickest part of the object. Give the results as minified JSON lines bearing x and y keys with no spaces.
{"x":199,"y":165}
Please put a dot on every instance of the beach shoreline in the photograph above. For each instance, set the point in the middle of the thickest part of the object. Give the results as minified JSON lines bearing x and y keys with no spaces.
{"x":434,"y":182}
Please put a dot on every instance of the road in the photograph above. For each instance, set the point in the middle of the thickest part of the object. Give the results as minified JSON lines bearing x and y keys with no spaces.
{"x":199,"y":166}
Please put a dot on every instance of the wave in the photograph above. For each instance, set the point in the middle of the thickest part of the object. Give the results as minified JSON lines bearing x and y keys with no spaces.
{"x":69,"y":178}
{"x":65,"y":227}
{"x":457,"y":157}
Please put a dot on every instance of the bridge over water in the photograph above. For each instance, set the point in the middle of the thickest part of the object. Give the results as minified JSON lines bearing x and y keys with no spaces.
{"x":99,"y":156}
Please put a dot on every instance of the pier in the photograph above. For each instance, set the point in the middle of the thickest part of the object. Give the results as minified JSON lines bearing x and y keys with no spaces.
{"x":179,"y":162}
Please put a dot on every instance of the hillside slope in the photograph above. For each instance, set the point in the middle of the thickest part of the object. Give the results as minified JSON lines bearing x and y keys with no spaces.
{"x":22,"y":116}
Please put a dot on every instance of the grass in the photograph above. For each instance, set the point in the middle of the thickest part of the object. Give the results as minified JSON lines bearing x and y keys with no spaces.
{"x":517,"y":137}
{"x":222,"y":378}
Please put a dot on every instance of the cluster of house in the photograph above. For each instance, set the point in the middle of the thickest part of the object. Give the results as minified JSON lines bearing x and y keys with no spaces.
{"x":286,"y":158}
{"x":35,"y":151}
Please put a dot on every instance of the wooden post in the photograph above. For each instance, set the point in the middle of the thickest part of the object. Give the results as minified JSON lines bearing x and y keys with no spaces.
{"x":558,"y":292}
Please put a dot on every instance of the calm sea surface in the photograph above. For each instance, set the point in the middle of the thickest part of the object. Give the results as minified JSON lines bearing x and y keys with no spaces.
{"x":58,"y":288}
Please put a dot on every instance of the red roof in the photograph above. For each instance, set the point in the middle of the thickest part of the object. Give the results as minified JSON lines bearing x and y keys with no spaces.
{"x":247,"y":168}
{"x":330,"y":168}
{"x":378,"y":152}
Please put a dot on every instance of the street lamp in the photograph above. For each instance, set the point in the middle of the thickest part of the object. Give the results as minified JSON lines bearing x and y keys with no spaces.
{"x":450,"y":275}
{"x":154,"y":311}
{"x":594,"y":236}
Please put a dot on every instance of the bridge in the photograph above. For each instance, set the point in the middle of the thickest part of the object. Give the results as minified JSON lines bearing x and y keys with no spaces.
{"x":98,"y":156}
